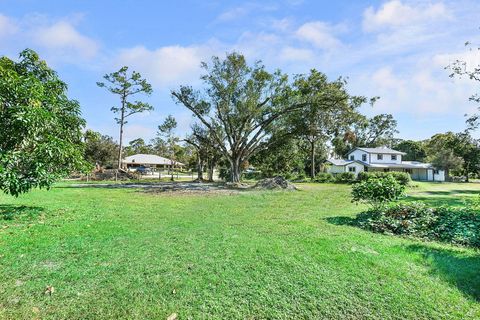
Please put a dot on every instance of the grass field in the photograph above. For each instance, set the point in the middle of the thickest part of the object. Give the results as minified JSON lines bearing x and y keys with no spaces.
{"x":124,"y":253}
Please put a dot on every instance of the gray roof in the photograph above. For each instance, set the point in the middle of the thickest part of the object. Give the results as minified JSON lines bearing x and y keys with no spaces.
{"x":149,"y":159}
{"x":342,"y":162}
{"x":339,"y":162}
{"x":379,"y":150}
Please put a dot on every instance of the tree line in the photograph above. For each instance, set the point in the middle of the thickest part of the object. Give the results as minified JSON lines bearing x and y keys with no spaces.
{"x":245,"y":116}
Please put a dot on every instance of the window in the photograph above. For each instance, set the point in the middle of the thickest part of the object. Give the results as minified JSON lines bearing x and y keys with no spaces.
{"x":352,"y":169}
{"x":379,"y":156}
{"x":394,"y":157}
{"x":386,"y":170}
{"x":408,"y":171}
{"x":364,"y":157}
{"x":352,"y":157}
{"x":436,"y":171}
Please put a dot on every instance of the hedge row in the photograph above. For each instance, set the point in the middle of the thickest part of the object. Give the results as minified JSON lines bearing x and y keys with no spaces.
{"x":456,"y":225}
{"x":348,"y":177}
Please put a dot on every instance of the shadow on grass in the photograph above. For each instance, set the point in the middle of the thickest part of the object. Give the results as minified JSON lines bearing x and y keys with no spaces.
{"x":457,"y":268}
{"x":10,"y":212}
{"x":450,"y":192}
{"x":436,"y":200}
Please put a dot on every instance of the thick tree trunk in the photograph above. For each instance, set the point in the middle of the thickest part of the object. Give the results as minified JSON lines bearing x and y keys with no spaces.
{"x":235,"y":170}
{"x":211,"y":167}
{"x":199,"y":168}
{"x":312,"y":159}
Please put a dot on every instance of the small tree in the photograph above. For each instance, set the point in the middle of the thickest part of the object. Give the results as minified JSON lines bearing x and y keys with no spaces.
{"x":166,"y":131}
{"x":41,"y":130}
{"x":100,"y":150}
{"x":126,"y":85}
{"x":377,"y":192}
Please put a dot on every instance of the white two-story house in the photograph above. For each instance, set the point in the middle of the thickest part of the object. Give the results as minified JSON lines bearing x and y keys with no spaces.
{"x":384,"y":159}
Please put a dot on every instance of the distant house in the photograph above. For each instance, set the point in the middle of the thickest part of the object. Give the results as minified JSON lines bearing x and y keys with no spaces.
{"x":149,"y":160}
{"x":384,"y":159}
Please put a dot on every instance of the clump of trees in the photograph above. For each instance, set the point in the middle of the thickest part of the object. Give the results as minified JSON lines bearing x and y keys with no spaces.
{"x":41,"y":129}
{"x":247,"y":110}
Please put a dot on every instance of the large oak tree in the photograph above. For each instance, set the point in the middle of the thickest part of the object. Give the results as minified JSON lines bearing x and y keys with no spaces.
{"x":238,"y":105}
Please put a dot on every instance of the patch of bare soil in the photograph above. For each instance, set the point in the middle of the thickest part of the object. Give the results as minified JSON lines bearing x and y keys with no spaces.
{"x":275,"y":183}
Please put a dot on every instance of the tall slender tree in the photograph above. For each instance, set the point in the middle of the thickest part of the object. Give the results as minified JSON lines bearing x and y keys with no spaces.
{"x":126,"y":85}
{"x":166,"y":131}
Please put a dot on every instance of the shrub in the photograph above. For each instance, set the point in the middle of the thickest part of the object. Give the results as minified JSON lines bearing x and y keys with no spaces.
{"x":345,"y":177}
{"x":402,"y":177}
{"x":324,"y":177}
{"x":377,"y":191}
{"x":453,"y":225}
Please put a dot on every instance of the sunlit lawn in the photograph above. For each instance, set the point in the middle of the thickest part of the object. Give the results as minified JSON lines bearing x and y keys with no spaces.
{"x":123,"y":253}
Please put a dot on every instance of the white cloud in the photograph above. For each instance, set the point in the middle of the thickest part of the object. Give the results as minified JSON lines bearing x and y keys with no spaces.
{"x":7,"y":26}
{"x":166,"y":66}
{"x":320,"y":34}
{"x":295,"y":54}
{"x":63,"y":37}
{"x":395,"y":14}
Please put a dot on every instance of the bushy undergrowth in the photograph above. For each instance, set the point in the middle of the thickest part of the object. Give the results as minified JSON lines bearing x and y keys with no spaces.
{"x":377,"y":192}
{"x":456,"y":225}
{"x":348,"y":177}
{"x":402,"y":177}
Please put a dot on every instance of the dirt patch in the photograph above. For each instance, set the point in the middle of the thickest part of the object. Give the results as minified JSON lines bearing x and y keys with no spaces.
{"x":276,"y":183}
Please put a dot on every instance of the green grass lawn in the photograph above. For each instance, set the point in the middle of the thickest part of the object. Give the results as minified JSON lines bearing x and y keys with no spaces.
{"x":123,"y":253}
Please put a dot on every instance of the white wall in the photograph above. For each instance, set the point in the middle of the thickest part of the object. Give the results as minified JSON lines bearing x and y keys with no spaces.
{"x":336,"y":169}
{"x":358,"y":168}
{"x":440,"y":176}
{"x":357,"y":154}
{"x":387,"y":158}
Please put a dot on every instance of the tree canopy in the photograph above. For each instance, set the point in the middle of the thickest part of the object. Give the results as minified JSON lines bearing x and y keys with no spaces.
{"x":41,"y":129}
{"x":239,"y":102}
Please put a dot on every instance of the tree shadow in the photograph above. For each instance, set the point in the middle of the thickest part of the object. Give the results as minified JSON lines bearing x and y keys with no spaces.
{"x":436,"y":200}
{"x":454,"y":266}
{"x":10,"y":211}
{"x":450,"y":192}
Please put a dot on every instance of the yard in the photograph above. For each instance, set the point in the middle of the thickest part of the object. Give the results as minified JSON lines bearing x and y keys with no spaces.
{"x":131,"y":253}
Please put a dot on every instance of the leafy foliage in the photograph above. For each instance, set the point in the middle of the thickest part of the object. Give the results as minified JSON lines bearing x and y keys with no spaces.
{"x":324,"y":177}
{"x":454,"y":225}
{"x":378,"y":191}
{"x":345,"y":177}
{"x":40,"y":128}
{"x":366,"y":132}
{"x":402,"y":177}
{"x":100,"y":149}
{"x":415,"y":150}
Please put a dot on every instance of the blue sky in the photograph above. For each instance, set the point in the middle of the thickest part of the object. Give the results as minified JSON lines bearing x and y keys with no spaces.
{"x":393,"y":49}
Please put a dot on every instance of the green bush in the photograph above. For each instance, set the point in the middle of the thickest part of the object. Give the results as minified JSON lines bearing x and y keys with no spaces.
{"x":345,"y":177}
{"x":324,"y":177}
{"x":453,"y":225}
{"x":377,"y":191}
{"x":402,"y":177}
